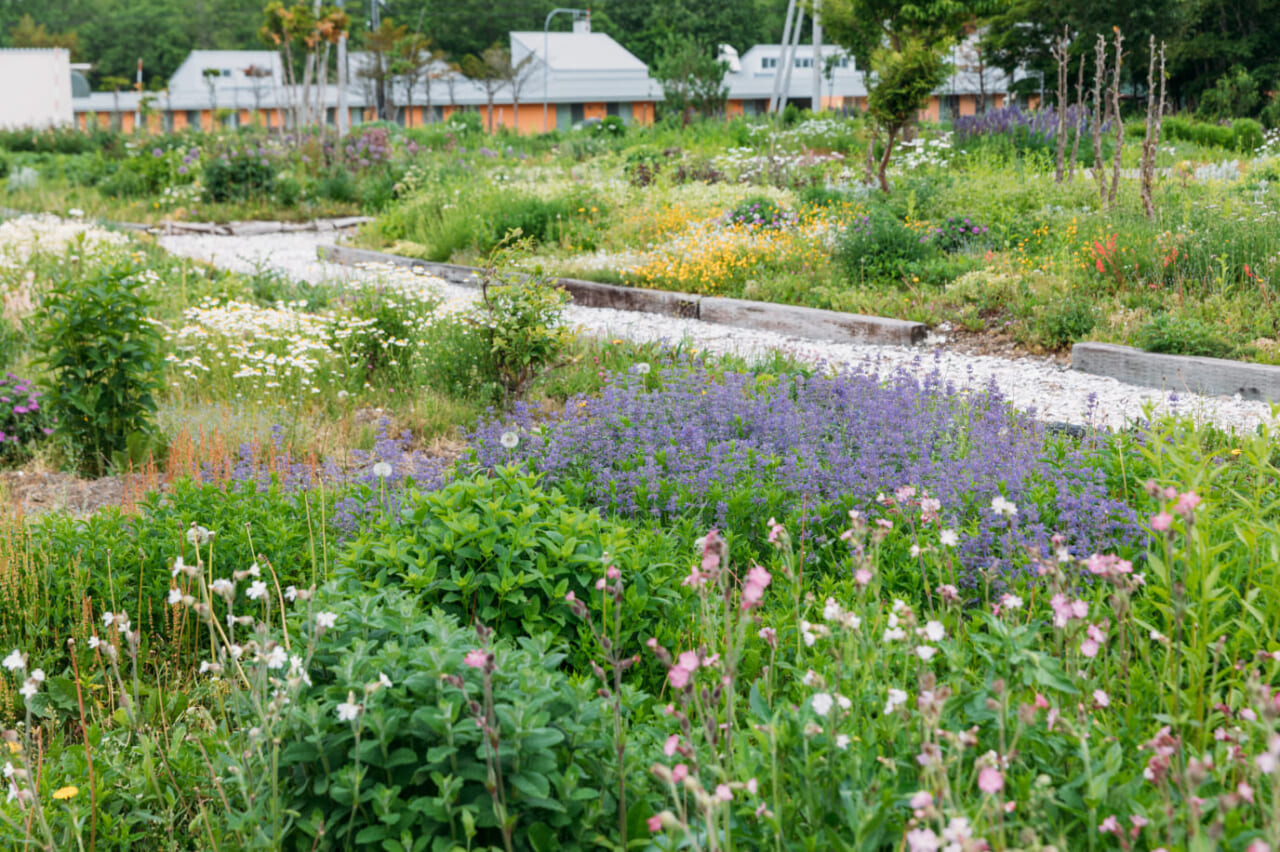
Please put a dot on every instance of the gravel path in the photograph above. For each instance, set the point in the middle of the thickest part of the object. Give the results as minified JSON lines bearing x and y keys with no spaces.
{"x":1034,"y":384}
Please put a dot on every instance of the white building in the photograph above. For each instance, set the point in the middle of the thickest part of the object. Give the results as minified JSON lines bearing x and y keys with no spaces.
{"x":37,"y":87}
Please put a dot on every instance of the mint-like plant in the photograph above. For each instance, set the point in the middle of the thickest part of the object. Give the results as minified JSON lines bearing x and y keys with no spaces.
{"x":103,"y":356}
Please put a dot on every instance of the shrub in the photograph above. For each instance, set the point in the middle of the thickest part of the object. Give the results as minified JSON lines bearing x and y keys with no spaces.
{"x":612,"y":127}
{"x":239,"y":174}
{"x":24,"y":422}
{"x":288,"y":191}
{"x":1247,"y":135}
{"x":503,"y":551}
{"x":103,"y":355}
{"x":415,"y":763}
{"x":1063,"y":321}
{"x":876,"y":248}
{"x":1233,"y":95}
{"x":955,"y":234}
{"x":1180,"y":335}
{"x":505,"y":340}
{"x":337,"y":184}
{"x":759,"y":211}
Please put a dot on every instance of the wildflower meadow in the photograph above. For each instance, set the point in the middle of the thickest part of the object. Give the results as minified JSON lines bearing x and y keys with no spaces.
{"x":386,"y":567}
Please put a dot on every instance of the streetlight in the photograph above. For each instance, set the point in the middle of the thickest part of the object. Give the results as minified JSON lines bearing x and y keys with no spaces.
{"x":546,"y":55}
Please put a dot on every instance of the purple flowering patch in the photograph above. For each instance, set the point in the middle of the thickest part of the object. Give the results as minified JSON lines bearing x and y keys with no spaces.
{"x":738,"y":448}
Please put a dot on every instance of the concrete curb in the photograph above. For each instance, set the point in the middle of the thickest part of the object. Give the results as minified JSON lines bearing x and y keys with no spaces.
{"x":227,"y":229}
{"x":1178,"y":373}
{"x":762,"y":316}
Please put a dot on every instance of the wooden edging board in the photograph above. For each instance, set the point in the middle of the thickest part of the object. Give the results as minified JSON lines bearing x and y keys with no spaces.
{"x":1178,"y":373}
{"x":763,"y":316}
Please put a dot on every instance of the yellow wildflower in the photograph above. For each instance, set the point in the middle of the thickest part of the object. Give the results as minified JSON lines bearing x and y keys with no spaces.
{"x":66,"y":792}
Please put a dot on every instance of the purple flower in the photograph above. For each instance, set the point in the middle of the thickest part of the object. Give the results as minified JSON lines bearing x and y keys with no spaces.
{"x":156,"y":152}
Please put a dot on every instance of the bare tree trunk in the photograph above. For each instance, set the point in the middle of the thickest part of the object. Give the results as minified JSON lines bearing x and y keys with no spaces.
{"x":1075,"y":143}
{"x":1155,"y":121}
{"x":869,"y":172}
{"x":1060,"y":53}
{"x":1100,"y":73}
{"x":890,"y":134}
{"x":1115,"y":115}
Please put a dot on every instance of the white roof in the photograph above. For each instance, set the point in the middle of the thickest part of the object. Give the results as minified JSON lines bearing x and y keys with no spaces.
{"x":576,"y":52}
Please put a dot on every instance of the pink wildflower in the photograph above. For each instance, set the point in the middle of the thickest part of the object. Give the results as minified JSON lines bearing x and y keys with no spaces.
{"x":1101,"y":698}
{"x":921,"y":800}
{"x":1186,"y":504}
{"x":672,"y":743}
{"x":1161,"y":522}
{"x":990,"y":781}
{"x":655,"y":824}
{"x":1110,"y":825}
{"x":679,"y":772}
{"x":723,"y":793}
{"x":475,"y":659}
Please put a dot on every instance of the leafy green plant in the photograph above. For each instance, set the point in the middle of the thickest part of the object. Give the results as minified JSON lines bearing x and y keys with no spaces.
{"x":239,"y":174}
{"x":877,"y":248}
{"x":500,"y":550}
{"x":419,"y":736}
{"x":103,"y":356}
{"x":1063,"y":321}
{"x":1181,"y":335}
{"x":758,"y":211}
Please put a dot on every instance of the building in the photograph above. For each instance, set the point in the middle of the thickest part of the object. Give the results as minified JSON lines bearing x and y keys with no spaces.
{"x":562,"y":79}
{"x":580,"y":75}
{"x":37,"y":87}
{"x":844,"y":87}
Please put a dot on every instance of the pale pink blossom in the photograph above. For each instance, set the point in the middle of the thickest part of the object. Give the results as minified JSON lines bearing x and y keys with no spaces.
{"x":990,"y":781}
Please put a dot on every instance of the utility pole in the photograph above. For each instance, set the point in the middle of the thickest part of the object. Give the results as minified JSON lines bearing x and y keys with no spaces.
{"x":344,"y":115}
{"x":137,"y":114}
{"x":791,"y":58}
{"x":380,"y":93}
{"x":816,"y":106}
{"x":777,"y":69}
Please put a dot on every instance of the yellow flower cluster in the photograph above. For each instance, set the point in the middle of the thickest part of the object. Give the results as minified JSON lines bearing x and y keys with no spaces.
{"x":711,"y":257}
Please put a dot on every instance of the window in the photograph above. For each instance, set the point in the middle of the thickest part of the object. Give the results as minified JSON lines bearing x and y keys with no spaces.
{"x":805,"y":62}
{"x":226,"y":72}
{"x":769,"y":62}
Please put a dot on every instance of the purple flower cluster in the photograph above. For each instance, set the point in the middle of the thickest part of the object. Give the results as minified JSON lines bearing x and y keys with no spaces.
{"x":1014,"y":121}
{"x":756,"y":215}
{"x":370,"y":148}
{"x":737,"y":448}
{"x":189,"y":160}
{"x":371,"y":487}
{"x":954,"y":234}
{"x":23,"y":421}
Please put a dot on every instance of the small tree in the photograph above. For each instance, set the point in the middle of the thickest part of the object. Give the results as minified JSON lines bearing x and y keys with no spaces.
{"x":383,"y":46}
{"x":692,"y":79}
{"x":409,"y":65}
{"x":518,"y":77}
{"x":491,"y":70}
{"x":904,"y":80}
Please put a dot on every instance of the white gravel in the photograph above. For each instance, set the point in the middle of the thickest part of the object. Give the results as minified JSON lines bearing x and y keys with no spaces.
{"x":1053,"y":392}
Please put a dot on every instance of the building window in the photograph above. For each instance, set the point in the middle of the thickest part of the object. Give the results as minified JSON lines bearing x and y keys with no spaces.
{"x":806,"y":62}
{"x":226,"y":72}
{"x":769,"y":62}
{"x":577,"y":112}
{"x":193,"y":118}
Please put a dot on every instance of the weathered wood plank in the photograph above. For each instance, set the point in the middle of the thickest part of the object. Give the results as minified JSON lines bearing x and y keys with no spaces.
{"x":1178,"y":373}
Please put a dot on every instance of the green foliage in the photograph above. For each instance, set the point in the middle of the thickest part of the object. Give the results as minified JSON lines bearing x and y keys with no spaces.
{"x":413,"y":765}
{"x":879,"y":248}
{"x":1064,"y":321}
{"x":238,"y":174}
{"x":103,"y":356}
{"x":691,"y":77}
{"x":1180,"y":335}
{"x":502,"y":551}
{"x":760,"y":211}
{"x":611,"y":127}
{"x":288,"y":191}
{"x":338,"y":184}
{"x":1233,"y":95}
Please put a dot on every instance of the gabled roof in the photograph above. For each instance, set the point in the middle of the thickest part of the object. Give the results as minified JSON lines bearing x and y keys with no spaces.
{"x":595,"y":52}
